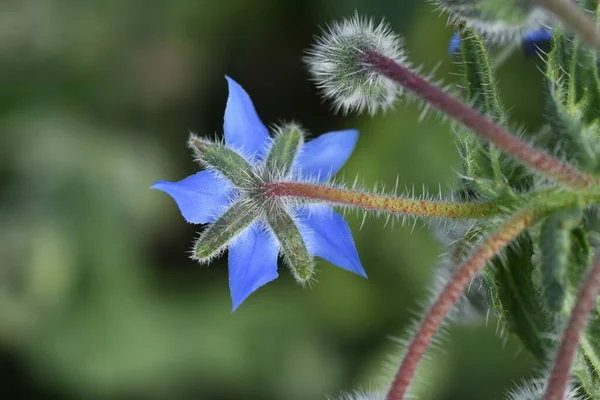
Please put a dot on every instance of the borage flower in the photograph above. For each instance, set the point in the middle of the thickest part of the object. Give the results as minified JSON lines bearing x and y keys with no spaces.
{"x":232,"y":195}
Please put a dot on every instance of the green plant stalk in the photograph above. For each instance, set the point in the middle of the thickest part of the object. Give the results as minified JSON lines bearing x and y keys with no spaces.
{"x":387,"y":204}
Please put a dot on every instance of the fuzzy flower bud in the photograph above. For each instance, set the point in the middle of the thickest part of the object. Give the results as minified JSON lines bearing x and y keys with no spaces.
{"x":362,"y":395}
{"x":534,"y":390}
{"x":337,"y":63}
{"x":497,"y":20}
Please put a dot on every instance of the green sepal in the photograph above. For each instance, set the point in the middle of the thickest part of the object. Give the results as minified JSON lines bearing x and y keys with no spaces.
{"x":513,"y":293}
{"x":219,"y":234}
{"x":555,"y":243}
{"x":294,"y":249}
{"x":228,"y":162}
{"x":285,"y":147}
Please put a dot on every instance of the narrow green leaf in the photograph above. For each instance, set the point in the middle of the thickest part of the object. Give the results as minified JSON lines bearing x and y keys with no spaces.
{"x":294,"y":249}
{"x":491,"y":170}
{"x":479,"y":76}
{"x":218,"y":235}
{"x":555,"y":242}
{"x":584,"y":83}
{"x":571,"y":68}
{"x":285,"y":147}
{"x":513,"y":293}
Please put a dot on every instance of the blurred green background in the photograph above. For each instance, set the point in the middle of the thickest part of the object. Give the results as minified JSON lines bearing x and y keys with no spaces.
{"x":97,"y":296}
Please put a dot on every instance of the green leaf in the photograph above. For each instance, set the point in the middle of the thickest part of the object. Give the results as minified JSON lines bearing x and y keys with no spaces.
{"x":573,"y":101}
{"x":285,"y":147}
{"x":488,"y":169}
{"x":218,"y":235}
{"x":294,"y":249}
{"x":479,"y":76}
{"x":514,"y":294}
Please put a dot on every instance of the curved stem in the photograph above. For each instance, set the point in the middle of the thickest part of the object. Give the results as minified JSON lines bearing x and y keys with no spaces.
{"x":450,"y":294}
{"x":480,"y":124}
{"x":388,"y":204}
{"x":588,"y":293}
{"x":573,"y":17}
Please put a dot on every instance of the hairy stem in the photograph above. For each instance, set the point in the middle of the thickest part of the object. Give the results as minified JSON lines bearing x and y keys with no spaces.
{"x":573,"y":17}
{"x":387,"y":204}
{"x":480,"y":124}
{"x":588,"y":293}
{"x":450,"y":294}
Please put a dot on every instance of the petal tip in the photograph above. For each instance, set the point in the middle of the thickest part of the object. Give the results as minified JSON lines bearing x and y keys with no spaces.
{"x":238,"y":299}
{"x":232,"y":83}
{"x":361,"y":272}
{"x":159,"y":185}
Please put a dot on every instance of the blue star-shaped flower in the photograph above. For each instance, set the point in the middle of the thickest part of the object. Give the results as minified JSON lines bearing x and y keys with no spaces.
{"x":207,"y":196}
{"x":530,"y":42}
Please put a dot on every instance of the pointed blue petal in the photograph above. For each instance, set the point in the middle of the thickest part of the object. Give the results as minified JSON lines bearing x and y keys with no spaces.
{"x":243,"y":129}
{"x":252,"y":263}
{"x":201,"y":197}
{"x":328,"y":236}
{"x":454,"y":45}
{"x":322,"y":157}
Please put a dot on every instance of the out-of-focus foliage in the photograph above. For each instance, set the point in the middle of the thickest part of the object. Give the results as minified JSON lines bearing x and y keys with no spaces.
{"x":97,"y":296}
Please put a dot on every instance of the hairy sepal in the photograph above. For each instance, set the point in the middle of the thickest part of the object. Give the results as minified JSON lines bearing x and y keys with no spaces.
{"x":292,"y":244}
{"x":229,"y":163}
{"x":224,"y":230}
{"x":287,"y":142}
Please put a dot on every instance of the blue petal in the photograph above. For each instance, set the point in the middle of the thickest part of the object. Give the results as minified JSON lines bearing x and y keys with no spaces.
{"x":535,"y":39}
{"x":252,"y":263}
{"x":322,"y":157}
{"x":200,"y":197}
{"x":243,"y":129}
{"x":454,"y":45}
{"x":328,"y":236}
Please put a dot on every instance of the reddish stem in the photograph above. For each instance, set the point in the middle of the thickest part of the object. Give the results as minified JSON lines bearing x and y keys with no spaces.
{"x":559,"y":378}
{"x":450,"y":294}
{"x":479,"y":123}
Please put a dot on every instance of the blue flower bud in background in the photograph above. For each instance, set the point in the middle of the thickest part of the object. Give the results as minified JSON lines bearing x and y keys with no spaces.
{"x":498,"y":20}
{"x":536,"y":39}
{"x":531,"y":41}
